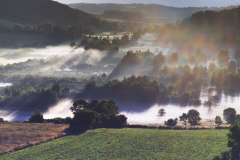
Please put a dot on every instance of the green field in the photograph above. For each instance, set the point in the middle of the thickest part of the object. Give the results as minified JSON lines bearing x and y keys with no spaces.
{"x":130,"y":144}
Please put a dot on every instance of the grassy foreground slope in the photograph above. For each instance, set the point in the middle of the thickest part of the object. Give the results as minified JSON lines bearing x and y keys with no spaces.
{"x":130,"y":144}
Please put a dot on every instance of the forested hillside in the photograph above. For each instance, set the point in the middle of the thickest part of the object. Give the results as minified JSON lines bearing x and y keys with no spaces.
{"x":41,"y":11}
{"x":205,"y":28}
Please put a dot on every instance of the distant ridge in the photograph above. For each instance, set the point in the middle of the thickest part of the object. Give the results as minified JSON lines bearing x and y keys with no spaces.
{"x":148,"y":9}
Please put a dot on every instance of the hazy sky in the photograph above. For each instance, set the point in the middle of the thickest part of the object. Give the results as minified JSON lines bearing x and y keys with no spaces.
{"x":178,"y":3}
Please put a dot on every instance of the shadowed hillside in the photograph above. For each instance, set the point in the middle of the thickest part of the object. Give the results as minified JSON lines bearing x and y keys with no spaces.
{"x":41,"y":11}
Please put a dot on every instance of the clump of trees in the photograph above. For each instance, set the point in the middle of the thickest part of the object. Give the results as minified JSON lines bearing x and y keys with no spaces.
{"x":30,"y":95}
{"x":96,"y":114}
{"x":54,"y":31}
{"x":1,"y":120}
{"x":192,"y":117}
{"x":161,"y":112}
{"x":12,"y":91}
{"x":99,"y":43}
{"x":131,"y":89}
{"x":218,"y":121}
{"x":231,"y":116}
{"x":184,"y":118}
{"x":37,"y":117}
{"x":171,"y":122}
{"x":223,"y":57}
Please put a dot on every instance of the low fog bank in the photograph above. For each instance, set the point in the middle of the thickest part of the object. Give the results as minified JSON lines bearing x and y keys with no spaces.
{"x":58,"y":61}
{"x":5,"y":84}
{"x":62,"y":109}
{"x":207,"y":113}
{"x":10,"y":56}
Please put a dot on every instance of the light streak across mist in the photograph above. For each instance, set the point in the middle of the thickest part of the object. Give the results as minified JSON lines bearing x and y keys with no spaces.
{"x":62,"y":109}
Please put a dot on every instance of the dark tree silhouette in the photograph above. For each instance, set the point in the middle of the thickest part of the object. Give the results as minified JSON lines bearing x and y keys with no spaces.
{"x":194,"y":117}
{"x":37,"y":117}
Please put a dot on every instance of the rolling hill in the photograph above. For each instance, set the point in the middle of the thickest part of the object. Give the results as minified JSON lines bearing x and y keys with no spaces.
{"x":41,"y":11}
{"x":130,"y":144}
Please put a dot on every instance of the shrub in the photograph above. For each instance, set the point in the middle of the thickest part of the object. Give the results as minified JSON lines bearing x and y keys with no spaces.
{"x":58,"y":121}
{"x":1,"y":120}
{"x":68,"y":120}
{"x":37,"y":117}
{"x":171,"y":122}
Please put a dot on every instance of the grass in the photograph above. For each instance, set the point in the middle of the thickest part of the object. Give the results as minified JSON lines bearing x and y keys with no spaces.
{"x":19,"y":135}
{"x":129,"y":144}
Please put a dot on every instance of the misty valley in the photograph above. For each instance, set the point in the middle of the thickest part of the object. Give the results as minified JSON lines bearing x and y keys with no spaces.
{"x":119,"y":81}
{"x":143,"y":76}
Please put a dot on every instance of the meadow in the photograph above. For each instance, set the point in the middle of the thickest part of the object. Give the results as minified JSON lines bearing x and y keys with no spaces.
{"x":130,"y":144}
{"x":14,"y":136}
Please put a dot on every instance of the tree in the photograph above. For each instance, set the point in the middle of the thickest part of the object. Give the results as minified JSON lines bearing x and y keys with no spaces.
{"x":73,"y":44}
{"x":223,"y":57}
{"x":218,"y":121}
{"x":78,"y":105}
{"x":37,"y":117}
{"x":56,"y":88}
{"x":107,"y":107}
{"x":237,"y":54}
{"x":1,"y":120}
{"x":234,"y":141}
{"x":232,"y":66}
{"x":28,"y":28}
{"x":161,"y":112}
{"x":97,"y":114}
{"x":17,"y":27}
{"x":174,"y":57}
{"x":104,"y":76}
{"x":231,"y":119}
{"x":227,"y":111}
{"x":137,"y":34}
{"x":184,"y":118}
{"x":84,"y":119}
{"x":7,"y":91}
{"x":171,"y":122}
{"x":237,"y":118}
{"x":125,"y":40}
{"x":194,"y":117}
{"x":159,"y":61}
{"x":46,"y":27}
{"x":30,"y":89}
